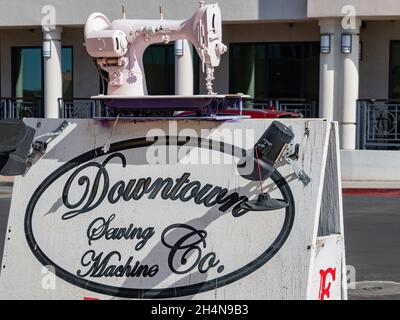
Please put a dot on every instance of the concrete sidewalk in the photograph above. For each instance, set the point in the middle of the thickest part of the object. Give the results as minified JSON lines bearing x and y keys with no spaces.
{"x":370,"y":184}
{"x":373,"y":169}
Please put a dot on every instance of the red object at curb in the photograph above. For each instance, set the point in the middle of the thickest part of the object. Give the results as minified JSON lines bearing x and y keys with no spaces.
{"x":90,"y":298}
{"x":371,"y":192}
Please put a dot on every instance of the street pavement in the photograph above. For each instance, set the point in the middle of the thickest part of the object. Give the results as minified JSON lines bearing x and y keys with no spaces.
{"x":372,"y":235}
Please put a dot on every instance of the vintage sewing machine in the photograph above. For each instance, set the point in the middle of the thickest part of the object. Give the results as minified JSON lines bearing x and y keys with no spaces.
{"x":118,"y":49}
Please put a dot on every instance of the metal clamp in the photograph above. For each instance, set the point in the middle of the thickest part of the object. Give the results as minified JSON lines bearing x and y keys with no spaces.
{"x":39,"y":147}
{"x":291,"y":156}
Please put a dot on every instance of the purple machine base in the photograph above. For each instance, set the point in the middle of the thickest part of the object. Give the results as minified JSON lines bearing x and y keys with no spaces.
{"x":211,"y":105}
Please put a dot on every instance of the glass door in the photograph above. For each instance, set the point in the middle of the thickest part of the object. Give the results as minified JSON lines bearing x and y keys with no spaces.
{"x":27,"y":72}
{"x":27,"y":80}
{"x":394,"y":77}
{"x":275,"y":70}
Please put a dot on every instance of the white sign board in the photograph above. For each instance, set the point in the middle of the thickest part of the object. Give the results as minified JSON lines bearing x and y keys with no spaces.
{"x":161,"y":217}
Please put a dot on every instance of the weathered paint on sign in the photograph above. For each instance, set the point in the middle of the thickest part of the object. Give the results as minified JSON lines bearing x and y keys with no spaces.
{"x":327,"y":268}
{"x":111,"y":224}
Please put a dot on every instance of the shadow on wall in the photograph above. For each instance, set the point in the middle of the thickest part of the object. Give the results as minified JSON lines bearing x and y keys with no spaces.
{"x":282,"y":9}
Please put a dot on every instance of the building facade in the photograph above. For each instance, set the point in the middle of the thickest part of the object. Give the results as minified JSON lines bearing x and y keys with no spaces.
{"x":339,"y":58}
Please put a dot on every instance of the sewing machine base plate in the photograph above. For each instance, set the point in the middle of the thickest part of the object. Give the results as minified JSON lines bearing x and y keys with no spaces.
{"x":208,"y":104}
{"x":177,"y":118}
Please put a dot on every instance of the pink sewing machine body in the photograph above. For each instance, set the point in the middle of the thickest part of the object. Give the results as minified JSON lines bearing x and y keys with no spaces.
{"x":118,"y":46}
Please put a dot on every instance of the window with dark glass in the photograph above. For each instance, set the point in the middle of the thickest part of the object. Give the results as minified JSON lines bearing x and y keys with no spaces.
{"x":159,"y":67}
{"x":27,"y":72}
{"x":66,"y":68}
{"x":275,"y":70}
{"x":394,"y":77}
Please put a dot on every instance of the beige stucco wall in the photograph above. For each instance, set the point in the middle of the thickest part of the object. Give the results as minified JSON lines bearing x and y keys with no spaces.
{"x":364,"y":8}
{"x":374,"y":67}
{"x":14,"y":38}
{"x":256,"y":32}
{"x":75,"y":12}
{"x":85,"y":78}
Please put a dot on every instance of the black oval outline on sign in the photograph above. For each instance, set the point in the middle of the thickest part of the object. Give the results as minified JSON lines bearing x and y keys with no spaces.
{"x":170,"y":292}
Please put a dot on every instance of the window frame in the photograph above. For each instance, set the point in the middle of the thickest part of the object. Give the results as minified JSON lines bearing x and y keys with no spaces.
{"x":14,"y":50}
{"x":195,"y":62}
{"x":267,"y":43}
{"x":390,"y":92}
{"x":13,"y":79}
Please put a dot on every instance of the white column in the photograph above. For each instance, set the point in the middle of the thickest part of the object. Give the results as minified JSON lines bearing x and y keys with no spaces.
{"x":52,"y":72}
{"x":350,"y":81}
{"x":183,"y":68}
{"x":329,"y":71}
